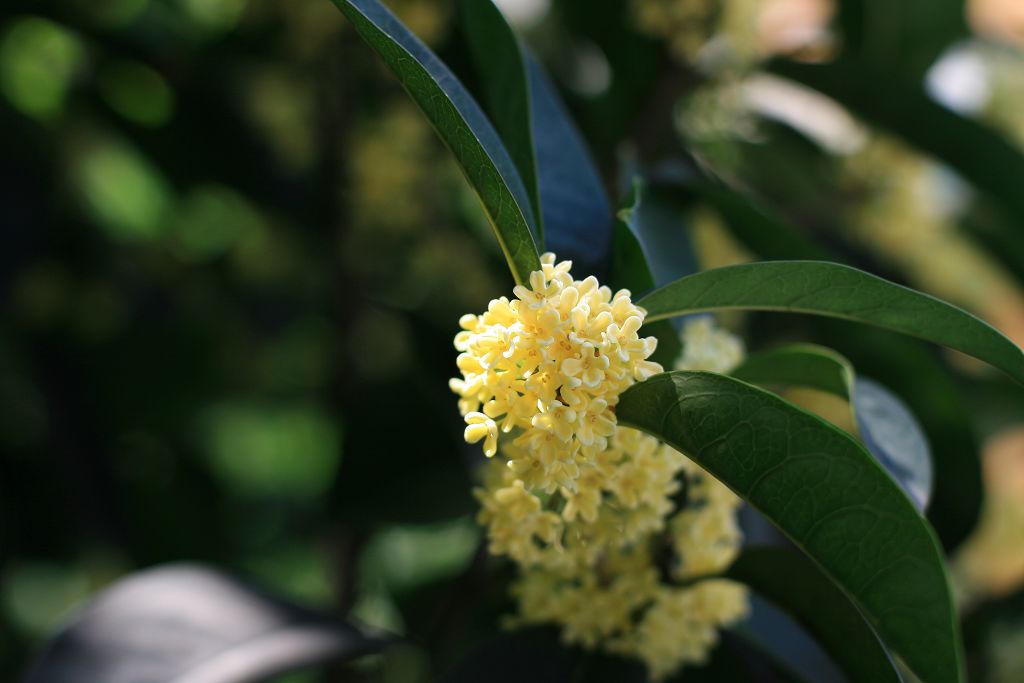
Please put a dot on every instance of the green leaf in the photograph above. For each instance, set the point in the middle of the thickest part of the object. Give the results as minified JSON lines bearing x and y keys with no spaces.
{"x":631,"y":267}
{"x":577,"y":214}
{"x":825,"y":492}
{"x":805,"y":365}
{"x":461,"y":124}
{"x":755,"y":226}
{"x":923,"y":380}
{"x":836,"y":291}
{"x":657,"y":223}
{"x":501,"y":71}
{"x":630,"y":271}
{"x":901,"y":106}
{"x":565,"y":188}
{"x":886,"y":426}
{"x":794,"y":584}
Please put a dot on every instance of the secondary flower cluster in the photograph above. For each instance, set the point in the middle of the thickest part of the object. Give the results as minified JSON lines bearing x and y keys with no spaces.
{"x":551,"y":363}
{"x":602,"y":520}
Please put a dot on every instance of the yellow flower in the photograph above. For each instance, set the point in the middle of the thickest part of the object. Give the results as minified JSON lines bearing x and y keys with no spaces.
{"x":585,"y":507}
{"x":518,"y":526}
{"x":602,"y":505}
{"x":709,"y":347}
{"x":681,"y":626}
{"x":551,"y":363}
{"x":479,"y":426}
{"x":592,"y":603}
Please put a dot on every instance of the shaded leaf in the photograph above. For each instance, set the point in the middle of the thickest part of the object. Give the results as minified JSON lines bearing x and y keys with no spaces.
{"x":631,"y":267}
{"x":920,"y":377}
{"x":535,"y":654}
{"x":190,"y":624}
{"x":755,"y":226}
{"x":892,"y":434}
{"x":462,"y":125}
{"x":781,"y":639}
{"x":565,"y":187}
{"x":498,"y":58}
{"x":658,"y":226}
{"x":837,"y":291}
{"x":825,"y":492}
{"x":886,"y":426}
{"x":805,"y":365}
{"x":794,"y":584}
{"x":577,"y":217}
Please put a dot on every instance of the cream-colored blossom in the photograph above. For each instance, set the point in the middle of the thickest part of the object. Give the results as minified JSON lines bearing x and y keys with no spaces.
{"x":681,"y":626}
{"x":586,"y":508}
{"x":708,"y":347}
{"x":593,"y":603}
{"x":619,"y":497}
{"x":551,"y":362}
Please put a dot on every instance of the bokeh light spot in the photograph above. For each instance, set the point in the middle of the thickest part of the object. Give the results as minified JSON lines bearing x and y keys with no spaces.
{"x":38,"y":62}
{"x":287,"y":451}
{"x":122,"y":190}
{"x":137,"y":92}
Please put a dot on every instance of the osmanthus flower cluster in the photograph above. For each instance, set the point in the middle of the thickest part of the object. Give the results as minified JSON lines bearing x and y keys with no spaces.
{"x":604,"y":522}
{"x":551,"y":364}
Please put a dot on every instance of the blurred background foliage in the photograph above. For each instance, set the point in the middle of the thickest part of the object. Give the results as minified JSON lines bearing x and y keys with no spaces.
{"x":235,"y":254}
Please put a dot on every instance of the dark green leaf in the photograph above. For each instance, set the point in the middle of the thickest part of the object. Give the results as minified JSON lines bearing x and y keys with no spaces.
{"x":631,"y":269}
{"x":825,"y":492}
{"x":757,"y":228}
{"x":461,"y":124}
{"x":660,"y":230}
{"x":797,"y":586}
{"x":781,"y":639}
{"x":888,"y":429}
{"x":805,"y":365}
{"x":501,"y":73}
{"x":534,"y":654}
{"x":920,"y":377}
{"x":565,"y":188}
{"x":577,"y":217}
{"x":836,"y":291}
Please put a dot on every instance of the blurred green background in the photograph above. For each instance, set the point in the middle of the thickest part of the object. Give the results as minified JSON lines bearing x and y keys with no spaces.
{"x":234,"y":256}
